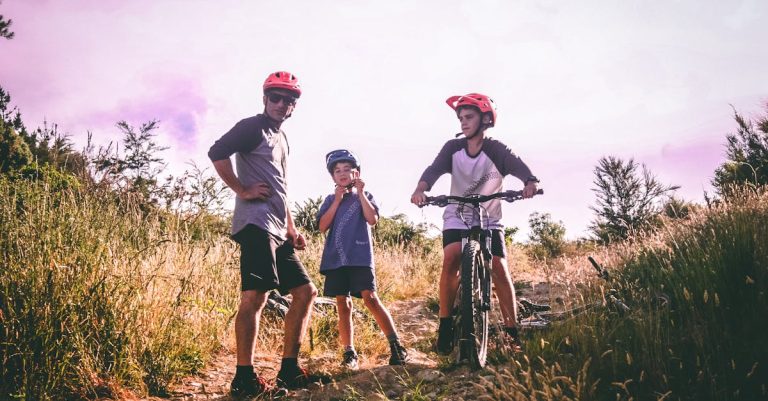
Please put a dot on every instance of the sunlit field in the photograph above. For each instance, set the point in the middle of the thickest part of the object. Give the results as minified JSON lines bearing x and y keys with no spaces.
{"x":102,"y":296}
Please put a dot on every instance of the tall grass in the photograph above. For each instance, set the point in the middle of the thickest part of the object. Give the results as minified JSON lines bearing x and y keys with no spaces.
{"x":708,"y":345}
{"x":99,"y":293}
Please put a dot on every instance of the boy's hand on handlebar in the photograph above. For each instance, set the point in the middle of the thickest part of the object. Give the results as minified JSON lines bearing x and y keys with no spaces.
{"x":529,"y":190}
{"x":418,"y":198}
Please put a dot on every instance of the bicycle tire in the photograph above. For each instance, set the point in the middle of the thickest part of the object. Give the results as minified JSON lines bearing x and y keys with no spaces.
{"x":475,"y":282}
{"x":543,"y":320}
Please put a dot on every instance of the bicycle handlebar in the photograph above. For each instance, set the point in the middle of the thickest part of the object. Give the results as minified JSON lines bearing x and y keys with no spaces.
{"x":443,"y":200}
{"x":602,"y":272}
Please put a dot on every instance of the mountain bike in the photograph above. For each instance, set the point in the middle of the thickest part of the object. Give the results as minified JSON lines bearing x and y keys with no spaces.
{"x":473,"y":299}
{"x":540,"y":316}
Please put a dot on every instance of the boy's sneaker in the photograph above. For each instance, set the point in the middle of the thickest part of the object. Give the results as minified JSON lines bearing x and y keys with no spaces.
{"x":252,"y":386}
{"x":349,"y":360}
{"x":444,"y":344}
{"x":299,"y":378}
{"x":516,"y":344}
{"x":399,"y":354}
{"x":511,"y":338}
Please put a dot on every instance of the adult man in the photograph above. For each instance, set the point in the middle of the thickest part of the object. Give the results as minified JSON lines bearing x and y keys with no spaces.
{"x":264,"y":228}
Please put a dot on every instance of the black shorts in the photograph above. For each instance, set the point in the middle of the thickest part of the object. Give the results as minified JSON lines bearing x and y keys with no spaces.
{"x":498,"y":247}
{"x":349,"y":280}
{"x":267,"y":262}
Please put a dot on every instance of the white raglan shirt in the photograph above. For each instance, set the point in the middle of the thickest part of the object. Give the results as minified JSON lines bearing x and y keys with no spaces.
{"x":480,"y":175}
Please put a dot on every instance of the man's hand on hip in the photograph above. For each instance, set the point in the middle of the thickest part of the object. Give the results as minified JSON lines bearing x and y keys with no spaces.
{"x":259,"y":191}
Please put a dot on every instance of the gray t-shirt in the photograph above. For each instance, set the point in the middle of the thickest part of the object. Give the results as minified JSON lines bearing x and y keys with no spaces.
{"x":482,"y":174}
{"x":261,"y":155}
{"x":349,"y":238}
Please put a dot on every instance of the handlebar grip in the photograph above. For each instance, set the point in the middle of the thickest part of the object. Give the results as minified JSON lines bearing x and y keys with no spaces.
{"x":595,"y":264}
{"x":602,"y":272}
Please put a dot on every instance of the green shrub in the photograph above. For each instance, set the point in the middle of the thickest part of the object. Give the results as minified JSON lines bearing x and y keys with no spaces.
{"x":707,"y":345}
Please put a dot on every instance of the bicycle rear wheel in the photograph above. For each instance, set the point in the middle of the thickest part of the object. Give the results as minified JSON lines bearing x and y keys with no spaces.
{"x":473,"y":307}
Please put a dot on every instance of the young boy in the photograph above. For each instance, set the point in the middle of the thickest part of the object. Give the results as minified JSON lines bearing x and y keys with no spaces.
{"x":478,"y":165}
{"x":347,"y":261}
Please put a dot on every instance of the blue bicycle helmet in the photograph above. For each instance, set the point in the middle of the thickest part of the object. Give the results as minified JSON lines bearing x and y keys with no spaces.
{"x":340,"y":155}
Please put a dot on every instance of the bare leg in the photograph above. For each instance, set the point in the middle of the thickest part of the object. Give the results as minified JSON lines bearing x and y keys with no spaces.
{"x":344,"y":307}
{"x":379,"y":312}
{"x":297,"y":318}
{"x":247,"y":324}
{"x":505,"y":290}
{"x":449,"y":278}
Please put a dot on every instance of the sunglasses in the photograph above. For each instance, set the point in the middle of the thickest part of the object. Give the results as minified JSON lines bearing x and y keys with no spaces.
{"x":276,"y":98}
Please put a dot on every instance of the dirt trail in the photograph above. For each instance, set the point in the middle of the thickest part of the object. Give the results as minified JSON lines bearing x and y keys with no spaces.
{"x":417,"y":325}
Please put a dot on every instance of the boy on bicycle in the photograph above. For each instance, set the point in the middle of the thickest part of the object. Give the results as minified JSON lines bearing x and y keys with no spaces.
{"x":477,"y":164}
{"x":347,"y":261}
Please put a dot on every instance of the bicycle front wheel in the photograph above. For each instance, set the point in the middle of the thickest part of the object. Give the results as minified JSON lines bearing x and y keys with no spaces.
{"x":474,"y":306}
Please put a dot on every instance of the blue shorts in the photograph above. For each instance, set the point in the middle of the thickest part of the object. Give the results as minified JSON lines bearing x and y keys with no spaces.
{"x":498,"y":248}
{"x":349,"y":280}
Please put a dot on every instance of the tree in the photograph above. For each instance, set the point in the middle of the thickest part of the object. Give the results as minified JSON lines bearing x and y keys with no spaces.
{"x":398,"y":230}
{"x":546,"y":236}
{"x":305,"y":216}
{"x":5,"y":26}
{"x":747,"y":155}
{"x":676,"y":208}
{"x":628,"y":200}
{"x":14,"y":152}
{"x":138,"y":170}
{"x":509,"y":234}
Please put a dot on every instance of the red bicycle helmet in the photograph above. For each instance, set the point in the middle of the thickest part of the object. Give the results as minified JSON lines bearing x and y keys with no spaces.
{"x":283,"y":80}
{"x":476,"y":100}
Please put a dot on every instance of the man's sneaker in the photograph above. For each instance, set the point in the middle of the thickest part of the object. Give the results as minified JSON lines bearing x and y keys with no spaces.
{"x":252,"y":386}
{"x":399,"y":354}
{"x":299,"y":378}
{"x":444,"y":344}
{"x":349,"y":360}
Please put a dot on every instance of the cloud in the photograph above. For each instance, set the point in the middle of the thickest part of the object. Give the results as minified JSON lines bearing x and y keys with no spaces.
{"x":178,"y":104}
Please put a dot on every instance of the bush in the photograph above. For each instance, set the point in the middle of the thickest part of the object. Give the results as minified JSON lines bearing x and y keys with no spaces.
{"x":708,"y":345}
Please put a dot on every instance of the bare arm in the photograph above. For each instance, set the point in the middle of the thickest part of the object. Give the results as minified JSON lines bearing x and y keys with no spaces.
{"x":293,"y":235}
{"x":326,"y":220}
{"x":258,"y":191}
{"x":227,"y":174}
{"x":369,"y":212}
{"x":418,"y":198}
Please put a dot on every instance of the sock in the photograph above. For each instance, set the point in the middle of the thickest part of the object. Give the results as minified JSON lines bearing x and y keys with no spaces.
{"x":512,"y":331}
{"x":289,"y":364}
{"x":446,"y":324}
{"x":349,"y":348}
{"x":243,"y":370}
{"x":393,"y":339}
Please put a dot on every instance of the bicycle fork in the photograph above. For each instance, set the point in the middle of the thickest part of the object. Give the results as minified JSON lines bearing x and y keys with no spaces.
{"x":481,"y":236}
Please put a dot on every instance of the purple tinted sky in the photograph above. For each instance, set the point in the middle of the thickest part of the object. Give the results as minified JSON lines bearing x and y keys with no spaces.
{"x":574,"y":82}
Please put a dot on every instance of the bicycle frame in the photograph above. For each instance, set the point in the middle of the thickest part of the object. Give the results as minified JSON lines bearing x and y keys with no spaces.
{"x":473,"y":297}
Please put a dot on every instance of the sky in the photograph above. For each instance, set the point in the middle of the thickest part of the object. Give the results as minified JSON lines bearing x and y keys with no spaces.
{"x":656,"y":81}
